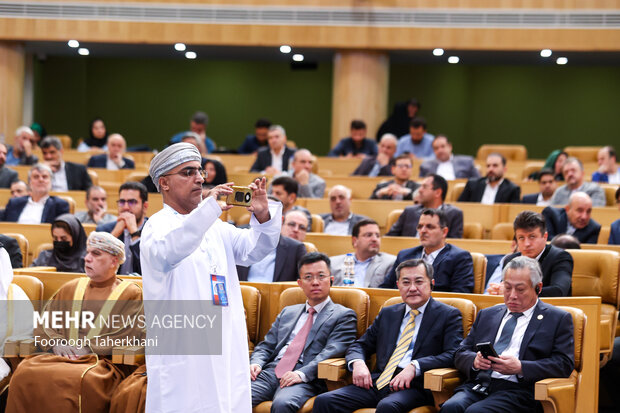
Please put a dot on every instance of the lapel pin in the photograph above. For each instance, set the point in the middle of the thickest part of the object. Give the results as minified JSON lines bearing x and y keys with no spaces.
{"x":540,"y":316}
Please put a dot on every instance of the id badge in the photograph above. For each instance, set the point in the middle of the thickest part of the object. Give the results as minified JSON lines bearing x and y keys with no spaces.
{"x":218,"y":288}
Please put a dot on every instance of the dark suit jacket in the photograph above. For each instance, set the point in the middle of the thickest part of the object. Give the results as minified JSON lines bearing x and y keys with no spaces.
{"x":77,"y":177}
{"x":288,"y":254}
{"x":101,"y":161}
{"x":463,"y":167}
{"x":263,"y":159}
{"x":547,"y":349}
{"x":407,"y":223}
{"x":453,"y":269}
{"x":332,"y":332}
{"x":12,"y":248}
{"x":530,"y":198}
{"x":409,"y":184}
{"x":54,"y":206}
{"x":557,"y":223}
{"x":614,"y":233}
{"x":135,"y":249}
{"x":492,"y":263}
{"x":557,"y":268}
{"x":7,"y":177}
{"x":438,"y":337}
{"x":368,"y":163}
{"x":506,"y":193}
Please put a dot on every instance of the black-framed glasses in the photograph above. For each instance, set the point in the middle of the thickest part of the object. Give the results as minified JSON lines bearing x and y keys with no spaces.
{"x":131,"y":202}
{"x":190,"y":172}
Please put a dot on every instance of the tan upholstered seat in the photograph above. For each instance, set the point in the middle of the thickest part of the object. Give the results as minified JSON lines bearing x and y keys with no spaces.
{"x":610,"y":194}
{"x":93,"y":176}
{"x":510,"y":152}
{"x":457,"y":190}
{"x":317,"y":223}
{"x":70,"y":201}
{"x":357,"y":300}
{"x":603,"y":236}
{"x":33,"y":287}
{"x":503,"y":231}
{"x":583,"y":153}
{"x":480,"y":269}
{"x":251,"y":304}
{"x":472,"y":230}
{"x":24,"y":246}
{"x":392,"y":218}
{"x":43,"y":247}
{"x":595,"y":273}
{"x":310,"y":247}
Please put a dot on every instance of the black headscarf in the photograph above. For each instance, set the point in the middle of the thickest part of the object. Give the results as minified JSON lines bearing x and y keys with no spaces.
{"x":73,"y":259}
{"x":398,"y":122}
{"x":95,"y":142}
{"x":220,"y":173}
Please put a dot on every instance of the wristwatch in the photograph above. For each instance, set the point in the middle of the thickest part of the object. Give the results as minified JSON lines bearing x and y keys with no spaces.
{"x":136,"y":234}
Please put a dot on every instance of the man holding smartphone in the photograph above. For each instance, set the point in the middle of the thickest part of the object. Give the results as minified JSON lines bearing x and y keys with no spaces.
{"x":534,"y":341}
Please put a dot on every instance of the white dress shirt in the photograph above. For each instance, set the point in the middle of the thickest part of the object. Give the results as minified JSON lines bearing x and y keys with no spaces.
{"x":488,"y":197}
{"x":59,"y":179}
{"x":430,"y":258}
{"x":446,"y":169}
{"x":277,"y":158}
{"x":33,"y":211}
{"x":112,"y":166}
{"x":540,"y":201}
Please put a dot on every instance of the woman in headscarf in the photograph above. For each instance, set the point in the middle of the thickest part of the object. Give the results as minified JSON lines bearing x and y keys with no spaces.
{"x":69,"y":246}
{"x":555,"y":162}
{"x":216,"y":173}
{"x":98,"y":138}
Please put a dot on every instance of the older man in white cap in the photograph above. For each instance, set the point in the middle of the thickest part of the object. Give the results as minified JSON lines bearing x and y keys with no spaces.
{"x":188,"y":254}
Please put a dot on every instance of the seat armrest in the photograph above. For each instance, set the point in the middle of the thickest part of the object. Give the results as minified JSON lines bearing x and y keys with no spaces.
{"x":442,"y":383}
{"x":11,"y":348}
{"x":556,"y":395}
{"x":332,"y":369}
{"x":129,"y":355}
{"x":27,"y":347}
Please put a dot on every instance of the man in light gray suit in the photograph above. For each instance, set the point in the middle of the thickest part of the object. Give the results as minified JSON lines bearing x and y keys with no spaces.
{"x":284,"y":366}
{"x":446,"y":164}
{"x":310,"y":185}
{"x":371,"y":265}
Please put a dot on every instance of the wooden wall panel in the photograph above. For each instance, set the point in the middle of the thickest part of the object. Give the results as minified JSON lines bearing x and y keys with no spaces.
{"x":12,"y":64}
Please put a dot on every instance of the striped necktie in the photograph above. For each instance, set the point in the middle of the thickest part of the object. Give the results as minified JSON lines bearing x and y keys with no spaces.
{"x":399,"y":352}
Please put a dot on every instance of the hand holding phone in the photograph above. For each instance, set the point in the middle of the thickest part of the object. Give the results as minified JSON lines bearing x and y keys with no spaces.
{"x":486,"y":349}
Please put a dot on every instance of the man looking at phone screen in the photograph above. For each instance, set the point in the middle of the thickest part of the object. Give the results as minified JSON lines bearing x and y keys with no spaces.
{"x":534,"y":341}
{"x":184,"y":247}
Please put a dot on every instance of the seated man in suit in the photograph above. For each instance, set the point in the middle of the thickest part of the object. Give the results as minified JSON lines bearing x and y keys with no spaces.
{"x":310,"y":185}
{"x":556,"y":264}
{"x":68,"y":176}
{"x":275,"y":158}
{"x":97,"y":204}
{"x":614,"y":233}
{"x":7,"y":176}
{"x":431,"y":194}
{"x":574,"y":219}
{"x":608,"y":170}
{"x":341,"y":220}
{"x":371,"y":264}
{"x":357,"y":145}
{"x":40,"y":206}
{"x":401,"y":187}
{"x":253,"y":142}
{"x":418,"y":142}
{"x":534,"y":341}
{"x":547,"y":185}
{"x":286,"y":190}
{"x":574,"y":177}
{"x":493,"y":188}
{"x":284,"y":366}
{"x":295,"y":225}
{"x":446,"y":164}
{"x":132,"y":205}
{"x":408,"y":339}
{"x":114,"y":159}
{"x":19,"y":188}
{"x":12,"y":248}
{"x":379,"y":165}
{"x":453,"y":267}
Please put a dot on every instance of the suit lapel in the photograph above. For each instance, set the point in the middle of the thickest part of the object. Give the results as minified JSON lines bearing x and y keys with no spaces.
{"x":496,"y":320}
{"x":428,"y":321}
{"x":280,"y":258}
{"x":440,"y":257}
{"x":499,"y":196}
{"x":46,"y":209}
{"x":320,"y":319}
{"x":370,"y":270}
{"x":393,"y":328}
{"x":482,"y":183}
{"x":289,"y":326}
{"x":535,"y":322}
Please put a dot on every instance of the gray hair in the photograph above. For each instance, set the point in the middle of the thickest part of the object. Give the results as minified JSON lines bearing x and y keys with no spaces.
{"x":23,"y":129}
{"x":572,"y":159}
{"x":413,"y":263}
{"x":521,"y":263}
{"x":278,"y":128}
{"x":388,"y":137}
{"x":41,"y":167}
{"x":342,"y":188}
{"x":51,"y":141}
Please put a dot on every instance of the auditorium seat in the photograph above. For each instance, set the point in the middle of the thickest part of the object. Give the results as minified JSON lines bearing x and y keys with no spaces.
{"x":457,"y":190}
{"x":24,"y":245}
{"x":472,"y":230}
{"x":503,"y":231}
{"x":584,"y":153}
{"x":510,"y":152}
{"x":610,"y":194}
{"x":70,"y":201}
{"x":603,"y":236}
{"x":33,"y":287}
{"x":93,"y":176}
{"x":392,"y":218}
{"x":318,"y":225}
{"x":251,"y":304}
{"x":480,"y":269}
{"x":310,"y":247}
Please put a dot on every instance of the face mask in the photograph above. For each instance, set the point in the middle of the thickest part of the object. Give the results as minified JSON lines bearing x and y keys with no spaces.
{"x":62,"y":246}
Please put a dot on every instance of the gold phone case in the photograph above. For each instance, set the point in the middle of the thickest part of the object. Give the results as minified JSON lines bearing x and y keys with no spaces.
{"x":241,"y":196}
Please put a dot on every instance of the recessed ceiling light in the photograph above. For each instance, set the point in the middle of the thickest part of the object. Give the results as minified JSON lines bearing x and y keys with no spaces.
{"x":437,"y":52}
{"x":546,"y":52}
{"x":73,"y":43}
{"x":190,"y":55}
{"x":561,"y":60}
{"x":179,"y":47}
{"x":453,"y":60}
{"x":285,"y":49}
{"x":83,"y":51}
{"x":298,"y":57}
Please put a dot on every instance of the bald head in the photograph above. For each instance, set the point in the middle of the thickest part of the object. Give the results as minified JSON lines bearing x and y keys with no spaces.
{"x":116,"y":145}
{"x":340,"y":202}
{"x":387,"y":145}
{"x":579,"y":210}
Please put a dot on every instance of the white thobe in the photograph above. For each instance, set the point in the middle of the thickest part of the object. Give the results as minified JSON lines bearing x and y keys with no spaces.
{"x":177,"y":254}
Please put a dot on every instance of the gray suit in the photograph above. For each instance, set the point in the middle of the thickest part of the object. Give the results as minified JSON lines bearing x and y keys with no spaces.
{"x":562,"y":194}
{"x":375,"y":273}
{"x":407,"y":223}
{"x":7,"y":177}
{"x":333,"y":330}
{"x":463,"y":167}
{"x":314,"y":189}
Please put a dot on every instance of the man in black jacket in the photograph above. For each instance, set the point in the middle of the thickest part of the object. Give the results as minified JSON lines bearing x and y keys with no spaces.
{"x":574,"y":219}
{"x":493,"y":188}
{"x":68,"y":176}
{"x":273,"y":159}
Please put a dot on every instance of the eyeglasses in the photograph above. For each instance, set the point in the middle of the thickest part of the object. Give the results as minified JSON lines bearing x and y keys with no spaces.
{"x":300,"y":227}
{"x":190,"y":172}
{"x":131,"y":202}
{"x":320,"y":277}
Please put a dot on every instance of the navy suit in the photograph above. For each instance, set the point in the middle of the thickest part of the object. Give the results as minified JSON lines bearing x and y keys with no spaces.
{"x":101,"y":161}
{"x":557,"y":223}
{"x":288,"y":254}
{"x":506,"y":193}
{"x":530,"y":198}
{"x":492,"y":263}
{"x":263,"y":159}
{"x":439,"y":335}
{"x":453,"y":269}
{"x":547,"y":350}
{"x":12,"y":248}
{"x":333,"y":330}
{"x":53,"y":207}
{"x":614,"y":233}
{"x":368,"y":163}
{"x":407,"y":223}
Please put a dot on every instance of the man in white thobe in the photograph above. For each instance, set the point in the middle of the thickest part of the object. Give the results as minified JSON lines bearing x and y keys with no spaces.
{"x":182,"y":245}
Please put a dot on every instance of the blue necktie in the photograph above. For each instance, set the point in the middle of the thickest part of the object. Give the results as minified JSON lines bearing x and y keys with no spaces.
{"x":506,"y":336}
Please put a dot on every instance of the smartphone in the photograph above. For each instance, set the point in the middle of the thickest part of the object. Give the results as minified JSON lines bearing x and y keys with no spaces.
{"x":241,"y":196}
{"x":486,"y":349}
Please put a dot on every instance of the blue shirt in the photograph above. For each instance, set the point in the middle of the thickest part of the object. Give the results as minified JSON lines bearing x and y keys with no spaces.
{"x":422,"y":150}
{"x":262,"y":271}
{"x":360,"y":270}
{"x":347,"y":146}
{"x":12,"y":160}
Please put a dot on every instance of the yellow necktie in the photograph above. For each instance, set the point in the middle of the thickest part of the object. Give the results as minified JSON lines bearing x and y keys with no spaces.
{"x":399,"y":352}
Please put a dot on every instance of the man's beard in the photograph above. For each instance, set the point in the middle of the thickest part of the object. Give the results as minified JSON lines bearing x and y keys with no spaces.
{"x":493,"y":178}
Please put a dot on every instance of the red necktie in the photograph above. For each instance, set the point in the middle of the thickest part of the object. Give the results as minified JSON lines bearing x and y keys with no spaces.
{"x":292,"y":353}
